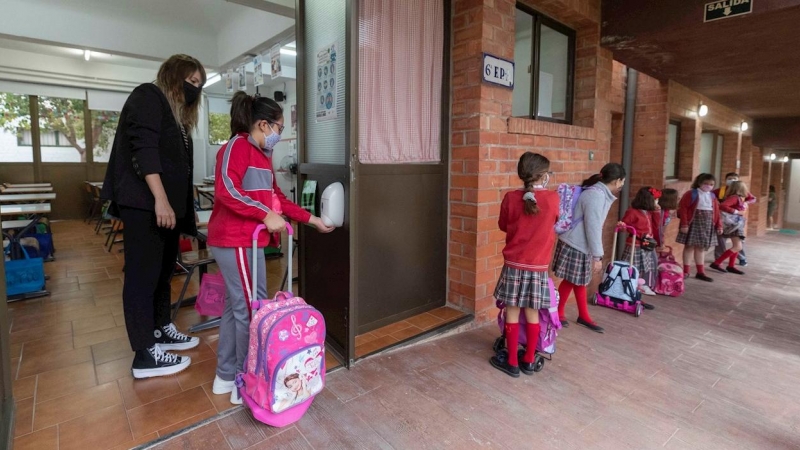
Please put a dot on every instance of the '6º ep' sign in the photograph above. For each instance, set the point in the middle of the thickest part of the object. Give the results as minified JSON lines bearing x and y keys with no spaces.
{"x":498,"y":71}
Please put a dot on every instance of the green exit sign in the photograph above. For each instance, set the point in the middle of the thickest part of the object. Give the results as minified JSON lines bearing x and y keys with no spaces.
{"x":726,"y":9}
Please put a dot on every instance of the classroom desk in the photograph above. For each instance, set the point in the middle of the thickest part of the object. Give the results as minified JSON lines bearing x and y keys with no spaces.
{"x":25,"y":185}
{"x":27,"y":190}
{"x":33,"y":212}
{"x":27,"y":198}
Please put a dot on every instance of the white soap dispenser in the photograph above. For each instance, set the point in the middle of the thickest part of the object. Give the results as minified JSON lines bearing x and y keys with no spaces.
{"x":333,"y":205}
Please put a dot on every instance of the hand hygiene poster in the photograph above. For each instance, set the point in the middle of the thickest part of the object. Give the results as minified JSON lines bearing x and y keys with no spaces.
{"x":326,"y":83}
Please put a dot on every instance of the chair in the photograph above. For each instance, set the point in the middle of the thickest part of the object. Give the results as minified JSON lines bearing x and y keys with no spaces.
{"x":93,"y":195}
{"x":189,"y":261}
{"x":117,"y":227}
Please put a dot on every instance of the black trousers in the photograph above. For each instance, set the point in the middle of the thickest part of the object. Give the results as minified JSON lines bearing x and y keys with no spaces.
{"x":150,"y":256}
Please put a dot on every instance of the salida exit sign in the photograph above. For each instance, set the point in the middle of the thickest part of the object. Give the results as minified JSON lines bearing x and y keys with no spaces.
{"x":728,"y":8}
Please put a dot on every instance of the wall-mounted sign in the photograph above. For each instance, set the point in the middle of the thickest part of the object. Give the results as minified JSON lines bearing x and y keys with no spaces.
{"x":498,"y":71}
{"x":726,"y":9}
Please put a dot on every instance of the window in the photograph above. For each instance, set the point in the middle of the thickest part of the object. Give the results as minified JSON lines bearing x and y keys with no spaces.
{"x":544,"y":56}
{"x":219,"y":128}
{"x":706,"y":151}
{"x":62,"y":129}
{"x":672,"y":158}
{"x":15,"y":122}
{"x":104,"y":127}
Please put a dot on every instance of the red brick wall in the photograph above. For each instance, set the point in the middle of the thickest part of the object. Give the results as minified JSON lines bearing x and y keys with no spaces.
{"x":650,"y":134}
{"x":689,"y":149}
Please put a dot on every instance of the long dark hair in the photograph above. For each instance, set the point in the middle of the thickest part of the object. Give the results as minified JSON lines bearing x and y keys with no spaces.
{"x":531,"y":168}
{"x":610,"y":172}
{"x":246,"y":110}
{"x":701,"y":179}
{"x":669,"y":199}
{"x":171,"y":75}
{"x":644,"y":200}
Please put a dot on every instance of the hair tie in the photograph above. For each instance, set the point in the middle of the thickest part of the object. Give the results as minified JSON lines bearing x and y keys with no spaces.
{"x":656,"y":193}
{"x":529,"y":196}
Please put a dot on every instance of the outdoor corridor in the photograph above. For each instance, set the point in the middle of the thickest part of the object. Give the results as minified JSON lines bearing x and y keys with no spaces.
{"x":718,"y":368}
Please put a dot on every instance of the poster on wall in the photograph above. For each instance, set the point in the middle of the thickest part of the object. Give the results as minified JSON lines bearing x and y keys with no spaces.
{"x":242,"y":78}
{"x":294,"y":119}
{"x":275,"y":57}
{"x":229,"y":81}
{"x":326,"y":83}
{"x":258,"y":74}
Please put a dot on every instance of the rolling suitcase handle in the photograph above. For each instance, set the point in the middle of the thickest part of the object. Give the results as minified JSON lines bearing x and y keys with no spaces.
{"x":253,"y":268}
{"x":629,"y":229}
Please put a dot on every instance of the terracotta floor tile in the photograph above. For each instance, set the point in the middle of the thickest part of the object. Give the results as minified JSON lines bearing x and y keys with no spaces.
{"x":46,"y":439}
{"x":377,"y":344}
{"x":362,"y":339}
{"x":425,"y":321}
{"x":221,"y":402}
{"x":241,"y":431}
{"x":392,"y":328}
{"x":75,"y":405}
{"x":289,"y":438}
{"x":136,"y":442}
{"x":331,"y":362}
{"x":197,"y":374}
{"x":113,"y":370}
{"x":15,"y":363}
{"x":23,"y":418}
{"x":52,"y":344}
{"x":136,"y":393}
{"x":83,"y":326}
{"x":96,"y":337}
{"x":109,"y":427}
{"x":407,"y":333}
{"x":200,"y":353}
{"x":446,"y":313}
{"x":203,"y":438}
{"x":24,"y":388}
{"x":154,"y":416}
{"x":52,"y":361}
{"x":112,"y":350}
{"x":186,"y":423}
{"x":67,"y":380}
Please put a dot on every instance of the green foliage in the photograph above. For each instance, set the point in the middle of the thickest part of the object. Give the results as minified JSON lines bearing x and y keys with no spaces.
{"x":219,"y":128}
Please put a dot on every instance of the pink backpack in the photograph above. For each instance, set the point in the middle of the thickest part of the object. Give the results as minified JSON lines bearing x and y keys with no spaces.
{"x":285,"y":366}
{"x":670,"y":275}
{"x":549,"y":323}
{"x":211,"y":298}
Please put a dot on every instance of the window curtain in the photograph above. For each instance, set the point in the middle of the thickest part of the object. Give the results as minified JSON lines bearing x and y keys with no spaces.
{"x":400,"y":81}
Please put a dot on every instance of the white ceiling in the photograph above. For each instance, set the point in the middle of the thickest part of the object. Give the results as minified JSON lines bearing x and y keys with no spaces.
{"x":76,"y":53}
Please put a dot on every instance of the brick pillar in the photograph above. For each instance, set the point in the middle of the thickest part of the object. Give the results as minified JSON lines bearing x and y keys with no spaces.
{"x":757,"y":212}
{"x":731,"y":147}
{"x":650,"y":132}
{"x":689,"y":149}
{"x":746,"y":158}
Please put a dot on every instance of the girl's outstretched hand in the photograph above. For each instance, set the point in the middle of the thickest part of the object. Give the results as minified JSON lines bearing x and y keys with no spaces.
{"x":317,"y":223}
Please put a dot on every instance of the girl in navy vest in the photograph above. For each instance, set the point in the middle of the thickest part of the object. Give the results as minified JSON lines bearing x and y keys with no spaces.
{"x":698,"y":211}
{"x":527,"y":216}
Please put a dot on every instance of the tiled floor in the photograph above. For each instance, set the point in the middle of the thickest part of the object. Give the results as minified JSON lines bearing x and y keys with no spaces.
{"x":377,"y":340}
{"x":73,"y":385}
{"x":718,"y":368}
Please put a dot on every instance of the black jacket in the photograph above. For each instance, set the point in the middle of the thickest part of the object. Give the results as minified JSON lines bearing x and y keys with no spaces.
{"x":148,"y":141}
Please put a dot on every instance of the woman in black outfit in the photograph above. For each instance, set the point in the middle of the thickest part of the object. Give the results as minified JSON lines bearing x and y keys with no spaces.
{"x":149,"y":181}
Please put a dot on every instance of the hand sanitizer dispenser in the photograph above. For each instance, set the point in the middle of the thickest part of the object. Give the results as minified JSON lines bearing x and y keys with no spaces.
{"x":333,"y":205}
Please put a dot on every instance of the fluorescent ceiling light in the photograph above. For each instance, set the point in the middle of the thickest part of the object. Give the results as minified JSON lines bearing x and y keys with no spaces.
{"x":772,"y":157}
{"x":703,"y":110}
{"x":87,"y":55}
{"x":287,"y":51}
{"x":744,"y":126}
{"x":212,"y":79}
{"x":785,"y":159}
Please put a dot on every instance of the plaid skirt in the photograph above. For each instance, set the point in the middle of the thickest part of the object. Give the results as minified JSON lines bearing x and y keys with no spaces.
{"x":701,"y":231}
{"x":572,"y":265}
{"x":646,"y":262}
{"x":523,"y":288}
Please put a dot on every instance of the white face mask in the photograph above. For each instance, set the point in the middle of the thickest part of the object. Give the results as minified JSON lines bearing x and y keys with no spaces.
{"x":730,"y":182}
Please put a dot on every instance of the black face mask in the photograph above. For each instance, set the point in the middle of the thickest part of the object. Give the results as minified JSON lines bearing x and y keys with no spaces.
{"x":190,"y":92}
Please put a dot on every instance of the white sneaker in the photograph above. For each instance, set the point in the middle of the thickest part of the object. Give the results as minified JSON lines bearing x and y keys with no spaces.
{"x":221,"y":386}
{"x":646,"y":290}
{"x":236,"y":399}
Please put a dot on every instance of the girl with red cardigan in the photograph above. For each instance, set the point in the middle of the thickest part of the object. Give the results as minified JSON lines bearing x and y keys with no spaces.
{"x":734,"y":205}
{"x":698,"y":211}
{"x":527,"y":216}
{"x":639,"y":216}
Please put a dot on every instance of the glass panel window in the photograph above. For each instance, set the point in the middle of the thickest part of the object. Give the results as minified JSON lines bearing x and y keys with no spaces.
{"x":219,"y":128}
{"x":706,"y":152}
{"x":15,"y":128}
{"x":62,"y":118}
{"x":671,"y":167}
{"x":544,"y":54}
{"x":104,"y":128}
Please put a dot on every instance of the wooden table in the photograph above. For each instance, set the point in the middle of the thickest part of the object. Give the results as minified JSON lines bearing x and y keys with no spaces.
{"x":27,"y":190}
{"x":27,"y":185}
{"x":27,"y":198}
{"x":206,"y":192}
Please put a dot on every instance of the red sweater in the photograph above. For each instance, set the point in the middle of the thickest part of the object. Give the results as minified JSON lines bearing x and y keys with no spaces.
{"x":244,"y":192}
{"x":732,"y":204}
{"x":529,"y":238}
{"x":640,"y":220}
{"x":688,"y":205}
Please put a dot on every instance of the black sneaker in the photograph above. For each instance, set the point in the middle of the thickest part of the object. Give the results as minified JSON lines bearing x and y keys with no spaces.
{"x":564,"y":323}
{"x":169,"y":338}
{"x":504,"y":367}
{"x":153,"y":362}
{"x":648,"y":306}
{"x":735,"y":270}
{"x":594,"y":327}
{"x":704,"y":277}
{"x":742,"y":262}
{"x":717,"y":267}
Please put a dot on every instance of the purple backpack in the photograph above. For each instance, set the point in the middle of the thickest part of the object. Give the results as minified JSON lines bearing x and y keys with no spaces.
{"x":549,"y":323}
{"x":568,"y":194}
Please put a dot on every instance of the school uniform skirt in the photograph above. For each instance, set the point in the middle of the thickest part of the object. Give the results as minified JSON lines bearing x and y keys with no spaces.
{"x":572,"y":265}
{"x":523,"y":288}
{"x":701,"y":231}
{"x":645,"y":261}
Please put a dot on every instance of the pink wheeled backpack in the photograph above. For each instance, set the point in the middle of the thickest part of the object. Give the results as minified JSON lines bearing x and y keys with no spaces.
{"x":670,"y":275}
{"x":285,"y":366}
{"x":549,"y":325}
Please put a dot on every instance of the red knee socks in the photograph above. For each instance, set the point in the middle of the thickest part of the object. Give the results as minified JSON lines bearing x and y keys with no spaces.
{"x":723,"y":257}
{"x":686,"y":269}
{"x":701,"y":270}
{"x":564,"y":289}
{"x":583,"y":308}
{"x":732,"y":259}
{"x":512,"y":339}
{"x":532,"y":332}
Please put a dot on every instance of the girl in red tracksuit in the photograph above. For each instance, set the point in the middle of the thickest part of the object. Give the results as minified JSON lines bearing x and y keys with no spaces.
{"x":527,"y":216}
{"x":639,"y":216}
{"x":246,"y":195}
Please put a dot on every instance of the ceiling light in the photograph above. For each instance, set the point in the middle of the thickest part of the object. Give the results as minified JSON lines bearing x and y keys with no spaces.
{"x":785,"y":159}
{"x":87,"y":55}
{"x":292,"y":45}
{"x":702,"y":110}
{"x":772,"y":157}
{"x":744,"y":126}
{"x":212,"y":79}
{"x":287,"y":51}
